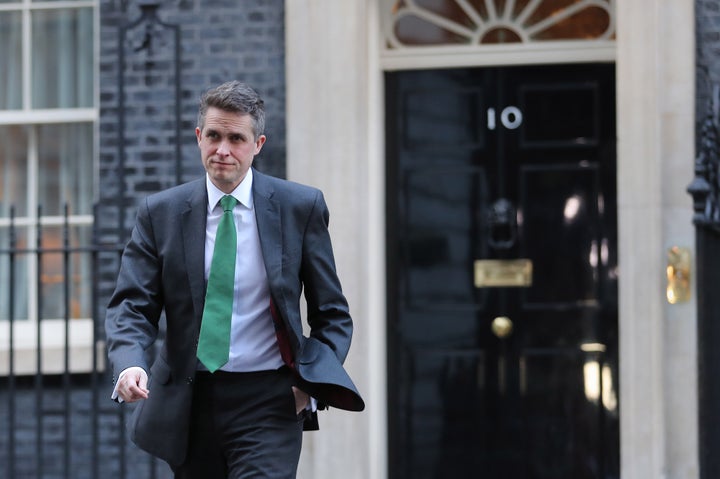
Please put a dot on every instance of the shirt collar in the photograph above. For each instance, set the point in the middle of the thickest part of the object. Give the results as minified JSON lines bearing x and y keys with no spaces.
{"x":242,"y":193}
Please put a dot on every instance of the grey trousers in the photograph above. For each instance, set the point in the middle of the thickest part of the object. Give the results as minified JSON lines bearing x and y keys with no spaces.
{"x":243,"y":426}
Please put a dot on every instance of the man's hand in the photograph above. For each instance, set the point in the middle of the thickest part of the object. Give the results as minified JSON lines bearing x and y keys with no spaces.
{"x":132,"y":385}
{"x":302,"y":400}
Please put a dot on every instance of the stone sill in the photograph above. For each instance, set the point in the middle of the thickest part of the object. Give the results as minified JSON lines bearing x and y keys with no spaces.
{"x":53,"y":340}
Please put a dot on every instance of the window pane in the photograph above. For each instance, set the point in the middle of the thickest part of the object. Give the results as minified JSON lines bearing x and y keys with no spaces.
{"x":53,"y":274}
{"x":13,"y":168}
{"x":588,"y":23}
{"x":62,"y":61}
{"x":10,"y":60}
{"x":13,"y":273}
{"x":65,"y":172}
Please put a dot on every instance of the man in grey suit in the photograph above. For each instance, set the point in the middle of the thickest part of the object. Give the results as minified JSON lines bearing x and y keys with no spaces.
{"x":244,"y":417}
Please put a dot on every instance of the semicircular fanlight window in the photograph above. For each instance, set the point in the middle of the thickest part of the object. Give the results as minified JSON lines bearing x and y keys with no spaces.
{"x":475,"y":22}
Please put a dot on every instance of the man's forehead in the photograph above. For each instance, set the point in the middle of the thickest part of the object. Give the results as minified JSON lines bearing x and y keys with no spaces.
{"x":227,"y":120}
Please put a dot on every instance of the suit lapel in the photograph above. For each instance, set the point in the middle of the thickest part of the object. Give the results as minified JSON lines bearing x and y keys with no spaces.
{"x":194,"y":219}
{"x":267,"y":215}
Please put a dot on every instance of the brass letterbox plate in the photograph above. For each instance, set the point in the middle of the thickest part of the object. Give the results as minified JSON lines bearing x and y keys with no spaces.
{"x":495,"y":273}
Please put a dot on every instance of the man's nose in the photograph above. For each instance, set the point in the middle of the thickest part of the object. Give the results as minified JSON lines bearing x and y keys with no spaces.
{"x":223,"y":148}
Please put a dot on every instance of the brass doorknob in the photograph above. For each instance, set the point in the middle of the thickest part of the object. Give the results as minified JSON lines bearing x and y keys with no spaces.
{"x":502,"y":327}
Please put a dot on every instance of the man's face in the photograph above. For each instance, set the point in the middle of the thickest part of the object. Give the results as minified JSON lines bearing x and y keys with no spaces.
{"x":227,"y":147}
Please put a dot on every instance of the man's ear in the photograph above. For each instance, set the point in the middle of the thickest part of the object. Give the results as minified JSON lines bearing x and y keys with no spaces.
{"x":259,"y":142}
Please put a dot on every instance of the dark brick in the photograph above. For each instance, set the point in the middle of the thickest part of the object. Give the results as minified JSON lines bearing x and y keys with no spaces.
{"x":215,"y":47}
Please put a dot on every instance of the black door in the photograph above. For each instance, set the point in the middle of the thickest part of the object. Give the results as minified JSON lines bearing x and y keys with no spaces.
{"x":502,"y":278}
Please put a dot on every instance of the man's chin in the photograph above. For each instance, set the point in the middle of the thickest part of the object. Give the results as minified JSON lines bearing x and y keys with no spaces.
{"x":225,"y":182}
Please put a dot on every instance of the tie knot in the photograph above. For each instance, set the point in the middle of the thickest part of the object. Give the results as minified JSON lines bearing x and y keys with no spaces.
{"x":228,"y":202}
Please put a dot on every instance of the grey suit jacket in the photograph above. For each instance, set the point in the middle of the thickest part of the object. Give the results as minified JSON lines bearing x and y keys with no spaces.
{"x":162,"y":268}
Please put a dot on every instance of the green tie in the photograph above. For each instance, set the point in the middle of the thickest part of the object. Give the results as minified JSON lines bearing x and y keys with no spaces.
{"x":214,"y":343}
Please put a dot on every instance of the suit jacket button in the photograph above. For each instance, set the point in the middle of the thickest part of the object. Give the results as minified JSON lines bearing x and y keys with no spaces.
{"x":189,"y":380}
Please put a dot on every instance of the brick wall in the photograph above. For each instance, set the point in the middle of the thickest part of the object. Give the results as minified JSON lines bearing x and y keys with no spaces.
{"x":218,"y":40}
{"x":140,"y":152}
{"x":146,"y":138}
{"x":68,"y":427}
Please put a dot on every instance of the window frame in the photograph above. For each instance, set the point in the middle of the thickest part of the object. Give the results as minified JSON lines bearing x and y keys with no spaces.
{"x":20,"y":336}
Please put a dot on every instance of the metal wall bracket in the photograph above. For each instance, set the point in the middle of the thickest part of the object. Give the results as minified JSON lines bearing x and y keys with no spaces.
{"x":705,"y":186}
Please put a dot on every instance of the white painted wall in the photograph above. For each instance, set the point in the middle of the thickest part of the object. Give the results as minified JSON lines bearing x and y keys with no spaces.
{"x":334,"y":142}
{"x":658,"y":371}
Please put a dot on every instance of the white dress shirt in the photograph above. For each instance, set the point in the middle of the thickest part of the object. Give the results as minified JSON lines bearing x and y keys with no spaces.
{"x":253,"y":344}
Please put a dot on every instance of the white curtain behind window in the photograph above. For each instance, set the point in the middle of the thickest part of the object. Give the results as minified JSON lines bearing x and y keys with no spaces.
{"x":19,"y":276}
{"x":10,"y":61}
{"x":13,"y":178}
{"x":62,"y":58}
{"x":65,"y":160}
{"x":13,"y":169}
{"x":61,"y":76}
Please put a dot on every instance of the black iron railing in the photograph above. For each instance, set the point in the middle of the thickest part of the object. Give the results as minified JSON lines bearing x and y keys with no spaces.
{"x":60,"y":419}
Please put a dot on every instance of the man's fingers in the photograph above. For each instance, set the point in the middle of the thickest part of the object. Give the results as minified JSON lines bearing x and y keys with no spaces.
{"x":133,"y":393}
{"x":133,"y":386}
{"x":143,"y":380}
{"x":302,"y":399}
{"x":137,"y":393}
